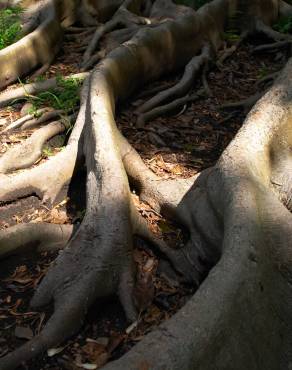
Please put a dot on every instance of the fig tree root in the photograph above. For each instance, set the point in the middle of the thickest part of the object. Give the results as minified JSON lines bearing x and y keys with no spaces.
{"x":271,"y":47}
{"x":245,"y":104}
{"x":32,"y":120}
{"x":125,"y":16}
{"x":177,"y":91}
{"x":28,"y":152}
{"x":44,"y":237}
{"x":29,"y":90}
{"x":47,"y":180}
{"x":36,"y":49}
{"x":237,"y":213}
{"x":164,"y":109}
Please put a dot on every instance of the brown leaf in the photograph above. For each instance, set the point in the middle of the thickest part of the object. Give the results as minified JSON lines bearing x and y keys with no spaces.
{"x":95,"y":353}
{"x":144,"y":289}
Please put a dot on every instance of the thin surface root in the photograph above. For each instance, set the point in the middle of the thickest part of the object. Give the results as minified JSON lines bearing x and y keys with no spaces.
{"x":43,"y":236}
{"x":27,"y":118}
{"x":123,"y":17}
{"x":167,"y":108}
{"x":28,"y":152}
{"x":245,"y":104}
{"x":183,"y":86}
{"x":9,"y":96}
{"x":271,"y":47}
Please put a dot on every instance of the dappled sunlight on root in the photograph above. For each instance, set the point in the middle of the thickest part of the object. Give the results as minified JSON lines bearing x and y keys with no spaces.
{"x":235,"y":221}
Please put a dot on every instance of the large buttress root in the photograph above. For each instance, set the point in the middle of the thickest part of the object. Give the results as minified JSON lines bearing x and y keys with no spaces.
{"x":251,"y":282}
{"x":232,"y":232}
{"x":37,"y":48}
{"x":100,"y":251}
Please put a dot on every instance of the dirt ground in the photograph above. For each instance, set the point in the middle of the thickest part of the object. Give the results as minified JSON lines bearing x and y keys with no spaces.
{"x":180,"y":145}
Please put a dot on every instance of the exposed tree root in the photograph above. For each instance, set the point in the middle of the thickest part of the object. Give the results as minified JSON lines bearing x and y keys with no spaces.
{"x":233,"y":213}
{"x":27,"y":153}
{"x":45,"y":117}
{"x":34,"y":49}
{"x":11,"y":95}
{"x":269,"y":32}
{"x":124,"y":17}
{"x":47,"y":179}
{"x":32,"y":120}
{"x":245,"y":104}
{"x":28,"y":117}
{"x":167,"y":108}
{"x":268,"y":79}
{"x":22,"y":237}
{"x":177,"y":91}
{"x":271,"y":47}
{"x":228,"y":52}
{"x":285,"y":9}
{"x":251,"y":281}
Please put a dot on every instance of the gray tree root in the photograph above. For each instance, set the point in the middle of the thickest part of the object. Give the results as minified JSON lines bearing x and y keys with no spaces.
{"x":167,"y":108}
{"x":180,"y":89}
{"x":32,"y":120}
{"x":271,"y":47}
{"x":274,"y":35}
{"x":28,"y":117}
{"x":43,"y":237}
{"x":233,"y":212}
{"x":267,"y":79}
{"x":47,"y":179}
{"x":248,"y":292}
{"x":245,"y":104}
{"x":32,"y":89}
{"x":35,"y":49}
{"x":28,"y":152}
{"x":124,"y":17}
{"x":230,"y":51}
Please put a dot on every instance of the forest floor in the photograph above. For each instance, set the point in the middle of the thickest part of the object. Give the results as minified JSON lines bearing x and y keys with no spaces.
{"x":180,"y":145}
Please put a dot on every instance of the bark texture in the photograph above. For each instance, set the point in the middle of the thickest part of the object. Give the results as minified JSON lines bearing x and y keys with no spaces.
{"x":238,"y":213}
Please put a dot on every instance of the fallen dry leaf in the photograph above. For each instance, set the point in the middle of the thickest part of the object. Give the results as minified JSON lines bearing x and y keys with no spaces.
{"x":96,"y":353}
